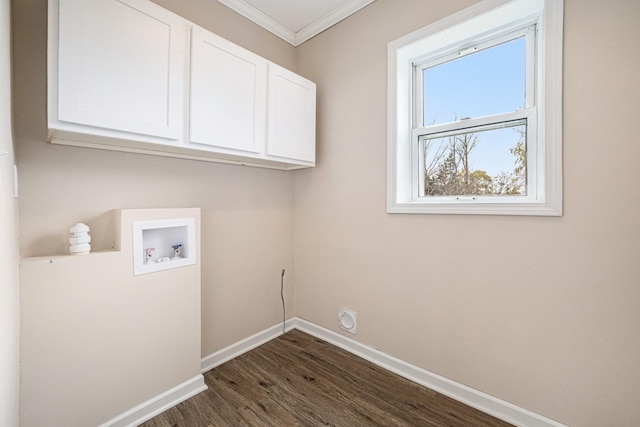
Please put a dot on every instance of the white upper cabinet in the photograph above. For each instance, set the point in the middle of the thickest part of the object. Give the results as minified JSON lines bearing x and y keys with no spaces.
{"x":119,"y":67}
{"x":292,"y":116}
{"x":129,"y":75}
{"x":228,"y":94}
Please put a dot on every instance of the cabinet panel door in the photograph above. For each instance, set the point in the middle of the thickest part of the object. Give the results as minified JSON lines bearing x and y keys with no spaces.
{"x":292,"y":115}
{"x":228,"y":94}
{"x":121,"y":66}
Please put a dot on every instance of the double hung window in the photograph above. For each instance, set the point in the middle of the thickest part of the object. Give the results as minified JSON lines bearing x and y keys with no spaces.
{"x":475,"y":112}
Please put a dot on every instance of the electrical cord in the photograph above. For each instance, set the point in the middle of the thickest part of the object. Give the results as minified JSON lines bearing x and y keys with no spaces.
{"x":282,"y":297}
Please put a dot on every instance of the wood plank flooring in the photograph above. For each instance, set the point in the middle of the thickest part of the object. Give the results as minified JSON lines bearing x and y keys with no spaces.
{"x":298,"y":380}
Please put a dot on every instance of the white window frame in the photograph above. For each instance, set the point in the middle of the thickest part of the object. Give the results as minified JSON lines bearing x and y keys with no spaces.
{"x":483,"y":22}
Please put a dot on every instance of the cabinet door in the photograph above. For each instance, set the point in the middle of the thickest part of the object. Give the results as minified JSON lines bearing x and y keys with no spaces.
{"x":120,"y":66}
{"x":292,"y":115}
{"x":228,"y":94}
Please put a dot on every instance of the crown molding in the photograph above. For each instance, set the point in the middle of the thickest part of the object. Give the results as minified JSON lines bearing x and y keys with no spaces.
{"x":255,"y":15}
{"x":330,"y":19}
{"x":296,"y":38}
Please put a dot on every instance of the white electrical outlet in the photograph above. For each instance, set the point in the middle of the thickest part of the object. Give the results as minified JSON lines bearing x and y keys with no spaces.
{"x":347,"y":319}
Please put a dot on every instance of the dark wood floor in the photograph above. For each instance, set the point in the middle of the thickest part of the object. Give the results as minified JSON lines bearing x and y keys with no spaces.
{"x":298,"y":380}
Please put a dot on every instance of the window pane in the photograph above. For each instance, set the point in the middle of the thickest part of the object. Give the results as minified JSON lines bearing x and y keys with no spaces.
{"x":483,"y":162}
{"x":487,"y":82}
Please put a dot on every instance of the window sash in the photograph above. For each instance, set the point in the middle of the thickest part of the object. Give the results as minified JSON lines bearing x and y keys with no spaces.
{"x":527,"y":116}
{"x":463,"y":49}
{"x":528,"y":112}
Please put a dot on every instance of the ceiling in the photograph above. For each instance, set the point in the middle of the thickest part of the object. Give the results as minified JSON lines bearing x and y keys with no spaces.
{"x":296,"y":21}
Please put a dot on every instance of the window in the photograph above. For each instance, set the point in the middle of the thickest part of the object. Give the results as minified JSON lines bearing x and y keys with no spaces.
{"x":475,"y":119}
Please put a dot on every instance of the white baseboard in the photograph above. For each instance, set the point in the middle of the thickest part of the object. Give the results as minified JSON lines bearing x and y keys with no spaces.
{"x":477,"y":399}
{"x":158,"y":404}
{"x":235,"y":350}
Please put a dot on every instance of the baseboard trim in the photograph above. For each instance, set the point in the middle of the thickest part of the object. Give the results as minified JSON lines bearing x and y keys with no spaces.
{"x":477,"y":399}
{"x":158,"y":404}
{"x":243,"y":346}
{"x":469,"y":396}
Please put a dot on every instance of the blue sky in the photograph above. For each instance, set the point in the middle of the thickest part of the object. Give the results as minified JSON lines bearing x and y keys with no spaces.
{"x":483,"y":83}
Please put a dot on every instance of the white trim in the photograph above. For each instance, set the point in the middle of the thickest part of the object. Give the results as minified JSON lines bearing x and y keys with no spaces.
{"x":266,"y":22}
{"x":330,"y":19}
{"x":178,"y":152}
{"x":243,"y":346}
{"x":296,"y":38}
{"x":552,"y":63}
{"x":477,"y":399}
{"x":158,"y":404}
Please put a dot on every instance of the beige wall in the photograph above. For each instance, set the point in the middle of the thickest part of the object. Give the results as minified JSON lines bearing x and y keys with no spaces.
{"x":9,"y":293}
{"x":541,"y":312}
{"x":247,"y":213}
{"x":98,"y":341}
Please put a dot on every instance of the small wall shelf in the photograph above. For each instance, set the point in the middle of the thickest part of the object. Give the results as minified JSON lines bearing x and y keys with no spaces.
{"x":155,"y":244}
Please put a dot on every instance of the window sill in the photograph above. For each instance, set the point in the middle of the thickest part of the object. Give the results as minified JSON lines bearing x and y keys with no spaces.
{"x":476,"y":207}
